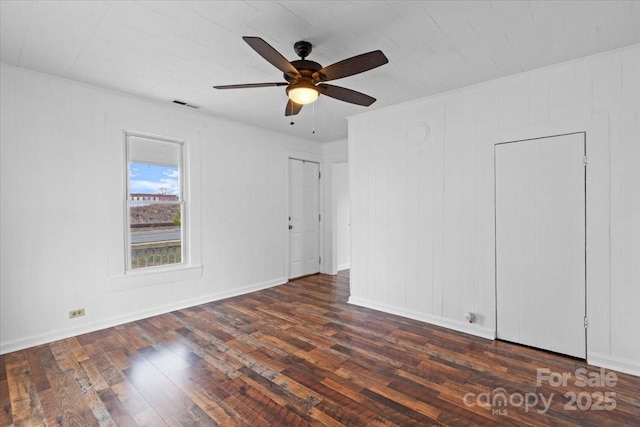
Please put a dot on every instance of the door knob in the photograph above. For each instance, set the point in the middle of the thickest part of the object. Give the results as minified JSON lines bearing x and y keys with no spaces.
{"x":290,"y":227}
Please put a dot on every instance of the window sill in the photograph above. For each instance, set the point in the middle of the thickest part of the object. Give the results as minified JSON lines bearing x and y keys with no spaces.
{"x":145,"y":278}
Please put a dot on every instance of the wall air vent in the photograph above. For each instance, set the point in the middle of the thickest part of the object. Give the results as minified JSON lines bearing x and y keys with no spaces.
{"x":186,"y":104}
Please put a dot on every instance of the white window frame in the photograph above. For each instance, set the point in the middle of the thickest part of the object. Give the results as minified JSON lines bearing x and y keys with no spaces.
{"x":182,"y":202}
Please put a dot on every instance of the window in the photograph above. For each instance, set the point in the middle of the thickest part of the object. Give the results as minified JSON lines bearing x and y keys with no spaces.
{"x":155,"y":206}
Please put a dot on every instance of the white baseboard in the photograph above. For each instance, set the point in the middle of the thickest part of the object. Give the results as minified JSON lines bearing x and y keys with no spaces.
{"x":344,"y":266}
{"x":631,"y":367}
{"x":34,"y":340}
{"x":467,"y":328}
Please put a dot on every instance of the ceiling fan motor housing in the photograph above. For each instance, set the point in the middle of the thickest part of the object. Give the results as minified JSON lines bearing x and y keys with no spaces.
{"x":305,"y":68}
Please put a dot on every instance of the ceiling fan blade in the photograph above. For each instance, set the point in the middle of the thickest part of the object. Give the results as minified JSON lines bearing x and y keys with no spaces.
{"x":350,"y":66}
{"x":292,"y":108}
{"x":250,"y":85}
{"x":274,"y":57}
{"x":346,"y":95}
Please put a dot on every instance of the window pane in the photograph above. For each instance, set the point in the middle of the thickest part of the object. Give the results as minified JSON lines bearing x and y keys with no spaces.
{"x":156,"y":234}
{"x":147,"y":180}
{"x":155,"y":215}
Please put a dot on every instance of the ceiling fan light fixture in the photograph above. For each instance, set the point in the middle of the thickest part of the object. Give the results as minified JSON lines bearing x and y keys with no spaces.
{"x":302,"y":93}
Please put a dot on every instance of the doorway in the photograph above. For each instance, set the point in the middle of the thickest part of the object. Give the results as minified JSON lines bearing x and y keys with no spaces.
{"x":304,"y":217}
{"x":541,"y":243}
{"x":341,"y":221}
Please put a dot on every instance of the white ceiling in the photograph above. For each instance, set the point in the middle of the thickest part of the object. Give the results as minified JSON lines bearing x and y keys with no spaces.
{"x":165,"y":50}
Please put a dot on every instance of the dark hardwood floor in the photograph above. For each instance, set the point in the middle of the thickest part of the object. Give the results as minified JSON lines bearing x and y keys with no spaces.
{"x":298,"y":354}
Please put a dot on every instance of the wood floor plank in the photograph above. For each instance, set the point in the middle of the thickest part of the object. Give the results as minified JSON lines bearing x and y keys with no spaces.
{"x":135,"y":341}
{"x":107,"y":369}
{"x":296,"y":355}
{"x":5,"y":402}
{"x":116,"y":409}
{"x":344,"y":405}
{"x":161,"y":393}
{"x":300,"y":405}
{"x":72,"y":396}
{"x":264,"y":406}
{"x":24,"y":399}
{"x":137,"y":406}
{"x":210,"y":397}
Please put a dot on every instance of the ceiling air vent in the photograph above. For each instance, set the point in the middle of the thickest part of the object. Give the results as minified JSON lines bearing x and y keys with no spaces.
{"x":186,"y":104}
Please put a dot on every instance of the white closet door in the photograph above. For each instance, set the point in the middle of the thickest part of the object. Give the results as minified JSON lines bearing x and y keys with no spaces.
{"x":304,"y":218}
{"x":540,"y":243}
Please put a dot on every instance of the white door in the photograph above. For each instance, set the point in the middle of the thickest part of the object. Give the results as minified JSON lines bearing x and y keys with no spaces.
{"x":540,"y":243}
{"x":304,"y":218}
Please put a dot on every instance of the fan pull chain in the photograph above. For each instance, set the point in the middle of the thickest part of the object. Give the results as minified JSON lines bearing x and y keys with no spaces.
{"x":313,"y":106}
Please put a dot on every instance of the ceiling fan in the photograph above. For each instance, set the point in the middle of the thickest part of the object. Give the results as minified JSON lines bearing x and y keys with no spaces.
{"x":305,"y":79}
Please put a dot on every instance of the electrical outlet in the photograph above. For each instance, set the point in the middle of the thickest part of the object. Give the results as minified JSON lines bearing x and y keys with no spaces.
{"x":76,"y":313}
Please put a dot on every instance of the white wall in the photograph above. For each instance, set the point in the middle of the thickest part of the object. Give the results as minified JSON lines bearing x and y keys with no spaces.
{"x":423,"y":208}
{"x":62,"y":208}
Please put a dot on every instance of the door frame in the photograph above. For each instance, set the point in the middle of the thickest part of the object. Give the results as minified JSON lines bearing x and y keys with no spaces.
{"x":495,"y":228}
{"x":598,"y":140}
{"x":308,"y":157}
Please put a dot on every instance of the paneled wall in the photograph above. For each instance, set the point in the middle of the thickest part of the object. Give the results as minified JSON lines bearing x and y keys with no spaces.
{"x":62,"y":216}
{"x":422,"y":197}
